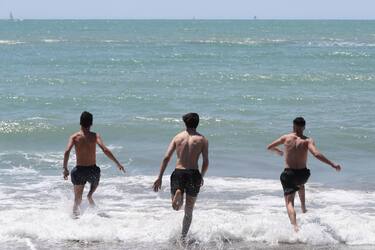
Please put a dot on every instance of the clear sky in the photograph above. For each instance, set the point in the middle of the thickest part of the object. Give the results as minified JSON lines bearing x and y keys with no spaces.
{"x":187,"y":9}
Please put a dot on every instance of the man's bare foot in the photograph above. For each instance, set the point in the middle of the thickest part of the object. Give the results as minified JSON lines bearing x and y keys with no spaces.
{"x":176,"y":202}
{"x":183,"y":239}
{"x":91,"y":201}
{"x":76,"y":213}
{"x":296,"y":228}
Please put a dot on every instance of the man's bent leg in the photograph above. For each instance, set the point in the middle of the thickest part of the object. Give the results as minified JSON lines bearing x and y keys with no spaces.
{"x":189,"y":206}
{"x":301,"y":194}
{"x":177,"y":200}
{"x":78,"y":190}
{"x":289,"y":203}
{"x":93,"y":187}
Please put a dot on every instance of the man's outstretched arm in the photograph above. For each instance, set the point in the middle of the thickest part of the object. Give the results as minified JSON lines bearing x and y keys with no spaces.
{"x":274,"y":145}
{"x":66,"y":157}
{"x":108,"y":152}
{"x":205,"y":161}
{"x":205,"y":158}
{"x":315,"y":152}
{"x":164,"y":164}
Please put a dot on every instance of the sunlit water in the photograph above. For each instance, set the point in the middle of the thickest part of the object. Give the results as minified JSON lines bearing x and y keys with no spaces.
{"x":247,"y":79}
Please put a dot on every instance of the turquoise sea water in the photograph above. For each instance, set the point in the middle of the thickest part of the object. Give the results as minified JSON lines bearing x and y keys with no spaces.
{"x":247,"y":79}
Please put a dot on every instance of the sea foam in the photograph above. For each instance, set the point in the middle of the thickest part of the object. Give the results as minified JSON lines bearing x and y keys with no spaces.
{"x":228,"y":211}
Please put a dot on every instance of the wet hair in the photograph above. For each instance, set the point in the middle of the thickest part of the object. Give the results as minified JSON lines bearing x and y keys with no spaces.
{"x":86,"y":119}
{"x":191,"y":120}
{"x":299,"y":122}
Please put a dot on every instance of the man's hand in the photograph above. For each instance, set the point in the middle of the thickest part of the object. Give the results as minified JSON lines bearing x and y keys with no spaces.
{"x":276,"y":150}
{"x":66,"y":173}
{"x":202,"y":182}
{"x":279,"y":152}
{"x":121,"y":168}
{"x":157,"y":184}
{"x":337,"y":167}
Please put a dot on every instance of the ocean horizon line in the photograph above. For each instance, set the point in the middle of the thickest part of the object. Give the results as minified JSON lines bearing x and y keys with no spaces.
{"x":188,"y":19}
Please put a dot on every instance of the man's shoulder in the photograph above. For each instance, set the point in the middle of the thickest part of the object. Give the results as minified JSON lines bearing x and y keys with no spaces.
{"x":75,"y":135}
{"x":288,"y":136}
{"x":308,"y":139}
{"x":180,"y":134}
{"x":79,"y":134}
{"x":184,"y":135}
{"x":94,"y":136}
{"x":200,"y":136}
{"x":204,"y":138}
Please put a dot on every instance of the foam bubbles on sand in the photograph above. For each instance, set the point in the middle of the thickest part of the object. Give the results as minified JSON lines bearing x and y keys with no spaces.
{"x":229,"y":211}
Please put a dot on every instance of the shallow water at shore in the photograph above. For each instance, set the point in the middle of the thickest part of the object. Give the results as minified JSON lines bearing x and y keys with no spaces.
{"x":230,"y":212}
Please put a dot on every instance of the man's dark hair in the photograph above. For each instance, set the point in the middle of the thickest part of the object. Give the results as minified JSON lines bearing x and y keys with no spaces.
{"x":299,"y":122}
{"x":86,"y":119}
{"x":191,"y":120}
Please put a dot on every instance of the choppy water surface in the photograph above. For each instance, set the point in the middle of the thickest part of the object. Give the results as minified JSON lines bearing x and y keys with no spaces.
{"x":247,"y":79}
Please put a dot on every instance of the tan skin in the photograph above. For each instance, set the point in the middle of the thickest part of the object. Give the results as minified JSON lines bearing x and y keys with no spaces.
{"x":296,"y":148}
{"x":84,"y":142}
{"x":189,"y":146}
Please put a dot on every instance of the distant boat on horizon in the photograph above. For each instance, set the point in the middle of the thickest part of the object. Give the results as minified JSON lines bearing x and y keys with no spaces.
{"x":12,"y":19}
{"x":255,"y":18}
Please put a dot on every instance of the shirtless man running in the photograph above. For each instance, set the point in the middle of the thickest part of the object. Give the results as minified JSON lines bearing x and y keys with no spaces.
{"x":86,"y":170}
{"x":296,"y":174}
{"x":186,"y":178}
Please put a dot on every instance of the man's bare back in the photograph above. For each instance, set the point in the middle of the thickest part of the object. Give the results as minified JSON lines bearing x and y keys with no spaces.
{"x":85,"y":147}
{"x":295,"y":151}
{"x":189,"y":146}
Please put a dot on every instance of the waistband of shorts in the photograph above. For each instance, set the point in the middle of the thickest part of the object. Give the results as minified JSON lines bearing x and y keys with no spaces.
{"x":86,"y":167}
{"x":297,"y":169}
{"x":186,"y":170}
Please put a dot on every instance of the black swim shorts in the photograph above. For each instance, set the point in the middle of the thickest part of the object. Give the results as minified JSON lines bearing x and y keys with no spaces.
{"x":187,"y":180}
{"x":82,"y":174}
{"x":292,"y":178}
